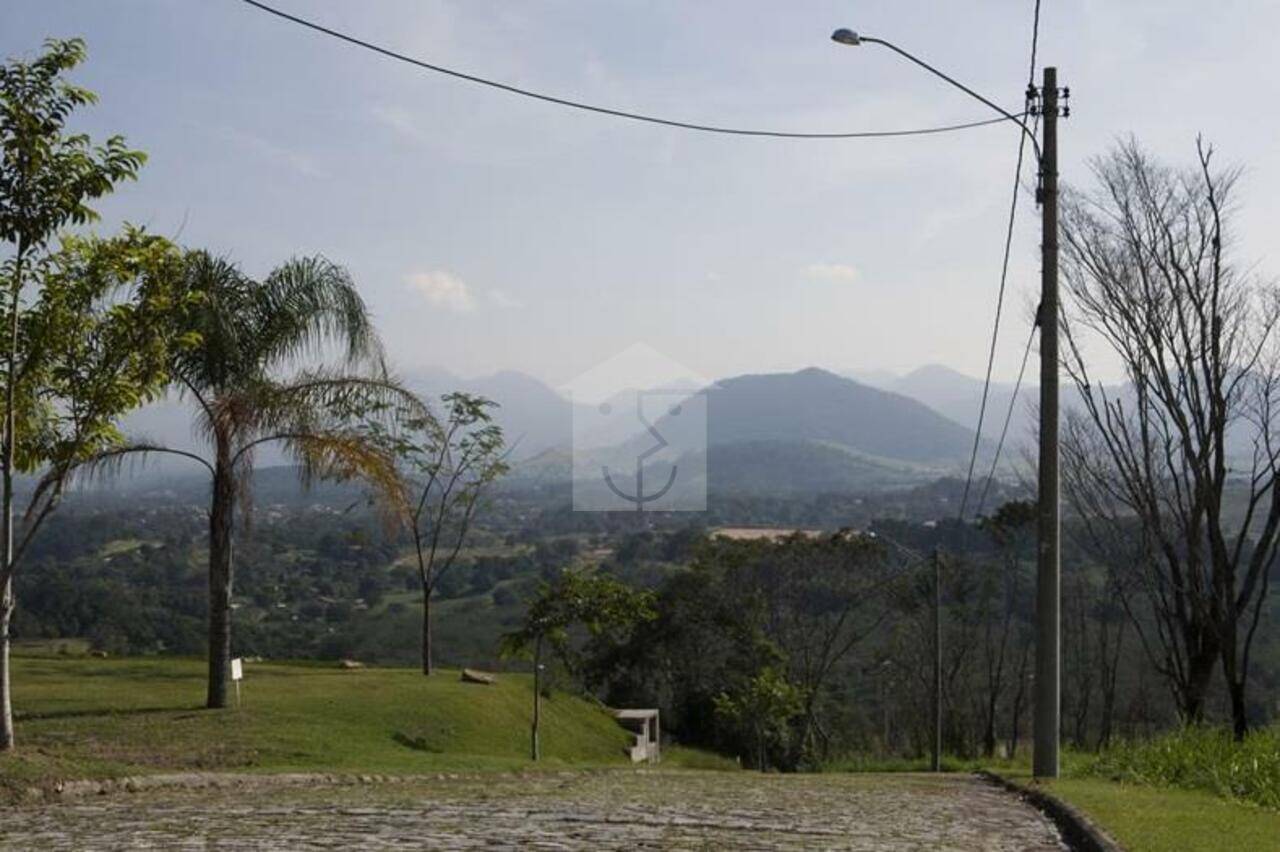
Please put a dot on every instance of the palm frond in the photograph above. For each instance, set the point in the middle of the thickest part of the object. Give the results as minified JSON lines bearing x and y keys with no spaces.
{"x":347,"y":455}
{"x":320,"y":401}
{"x":223,"y":319}
{"x":103,"y":465}
{"x":308,"y":304}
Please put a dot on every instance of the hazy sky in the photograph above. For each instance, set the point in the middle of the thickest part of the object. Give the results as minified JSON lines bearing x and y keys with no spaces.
{"x":488,"y":231}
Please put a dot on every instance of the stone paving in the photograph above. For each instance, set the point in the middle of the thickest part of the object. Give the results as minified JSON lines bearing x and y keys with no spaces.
{"x":556,"y":811}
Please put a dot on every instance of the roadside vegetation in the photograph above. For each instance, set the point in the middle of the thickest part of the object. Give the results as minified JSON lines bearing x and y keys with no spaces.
{"x":1197,"y":758}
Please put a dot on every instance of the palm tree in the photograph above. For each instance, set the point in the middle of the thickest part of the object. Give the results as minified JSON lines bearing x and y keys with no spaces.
{"x":248,"y":385}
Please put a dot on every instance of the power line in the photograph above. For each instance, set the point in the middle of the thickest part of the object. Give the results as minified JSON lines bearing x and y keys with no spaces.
{"x":617,"y":113}
{"x":1004,"y":272}
{"x":1013,"y":401}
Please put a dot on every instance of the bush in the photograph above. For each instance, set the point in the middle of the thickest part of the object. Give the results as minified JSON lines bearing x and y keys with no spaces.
{"x":1199,"y":758}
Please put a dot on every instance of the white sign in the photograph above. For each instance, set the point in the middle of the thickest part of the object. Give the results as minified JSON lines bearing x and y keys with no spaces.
{"x":237,"y":671}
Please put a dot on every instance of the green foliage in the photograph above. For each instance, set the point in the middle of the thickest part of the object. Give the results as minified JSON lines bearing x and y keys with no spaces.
{"x":762,"y":710}
{"x":251,"y":374}
{"x":752,"y":618}
{"x":1199,"y":758}
{"x":450,"y":462}
{"x":98,"y":336}
{"x":604,"y":607}
{"x":47,"y":176}
{"x":95,"y":342}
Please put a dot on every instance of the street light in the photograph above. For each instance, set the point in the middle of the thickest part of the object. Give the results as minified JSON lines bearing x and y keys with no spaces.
{"x":850,"y":38}
{"x":1048,"y":570}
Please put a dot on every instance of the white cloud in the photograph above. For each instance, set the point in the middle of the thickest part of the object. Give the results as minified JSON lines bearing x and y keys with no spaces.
{"x":832,"y":272}
{"x":443,"y":289}
{"x":446,"y":290}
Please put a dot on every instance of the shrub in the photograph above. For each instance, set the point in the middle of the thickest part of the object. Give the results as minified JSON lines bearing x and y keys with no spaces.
{"x":1200,"y":758}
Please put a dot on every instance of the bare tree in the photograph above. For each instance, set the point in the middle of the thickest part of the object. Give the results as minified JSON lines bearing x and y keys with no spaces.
{"x":451,"y":464}
{"x":1148,"y":272}
{"x":1002,"y":596}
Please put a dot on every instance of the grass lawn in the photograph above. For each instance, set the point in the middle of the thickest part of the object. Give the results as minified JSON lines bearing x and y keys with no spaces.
{"x":80,"y":718}
{"x":1157,"y":819}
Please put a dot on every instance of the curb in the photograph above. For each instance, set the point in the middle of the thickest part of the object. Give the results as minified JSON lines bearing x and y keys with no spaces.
{"x":1078,"y":831}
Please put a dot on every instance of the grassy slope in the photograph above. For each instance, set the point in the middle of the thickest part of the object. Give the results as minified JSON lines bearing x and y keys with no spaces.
{"x":1142,"y":818}
{"x":1157,"y":819}
{"x":91,"y":717}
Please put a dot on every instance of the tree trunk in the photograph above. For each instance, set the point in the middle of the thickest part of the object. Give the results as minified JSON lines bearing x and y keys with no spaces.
{"x":989,"y":730}
{"x":6,"y":703}
{"x":1191,"y":697}
{"x":1233,"y":672}
{"x":427,"y":667}
{"x":10,"y":444}
{"x":1239,"y":715}
{"x":221,"y":521}
{"x":1235,"y":686}
{"x":1110,"y":676}
{"x":535,"y":745}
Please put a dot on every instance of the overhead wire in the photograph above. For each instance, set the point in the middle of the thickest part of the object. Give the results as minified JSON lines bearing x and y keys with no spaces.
{"x":1004,"y":430}
{"x":1004,"y":276}
{"x":611,"y":111}
{"x":740,"y":131}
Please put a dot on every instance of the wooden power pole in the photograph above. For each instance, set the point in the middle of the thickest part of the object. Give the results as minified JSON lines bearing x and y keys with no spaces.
{"x":1048,"y":566}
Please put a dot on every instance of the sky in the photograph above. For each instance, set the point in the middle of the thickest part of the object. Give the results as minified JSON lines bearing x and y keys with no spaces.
{"x":490,"y":232}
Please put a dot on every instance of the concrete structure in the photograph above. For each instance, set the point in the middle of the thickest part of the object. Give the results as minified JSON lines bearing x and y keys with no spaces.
{"x":648,"y":732}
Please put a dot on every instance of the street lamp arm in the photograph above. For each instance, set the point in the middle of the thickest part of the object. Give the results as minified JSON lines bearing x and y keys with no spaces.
{"x":862,"y":39}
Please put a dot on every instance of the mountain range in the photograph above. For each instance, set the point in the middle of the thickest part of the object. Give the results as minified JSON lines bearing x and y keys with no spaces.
{"x":808,"y":430}
{"x":959,"y":397}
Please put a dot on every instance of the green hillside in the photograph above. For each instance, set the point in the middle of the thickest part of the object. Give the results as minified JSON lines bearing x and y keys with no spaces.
{"x":81,"y":717}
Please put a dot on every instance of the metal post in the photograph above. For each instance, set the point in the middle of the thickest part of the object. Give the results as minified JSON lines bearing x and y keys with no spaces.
{"x":1048,"y":573}
{"x":937,"y":660}
{"x":537,"y":696}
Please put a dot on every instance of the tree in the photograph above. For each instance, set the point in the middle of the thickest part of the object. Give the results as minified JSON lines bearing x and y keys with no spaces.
{"x":814,"y":594}
{"x":247,"y":389}
{"x":1149,"y":271}
{"x":602,"y":606}
{"x":798,"y":606}
{"x":94,"y":342}
{"x":450,"y":465}
{"x":76,"y":353}
{"x":1002,"y":597}
{"x":763,"y":707}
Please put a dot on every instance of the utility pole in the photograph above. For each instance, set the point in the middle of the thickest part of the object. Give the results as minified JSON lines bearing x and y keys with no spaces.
{"x":937,"y":659}
{"x":1048,"y":567}
{"x":536,"y":752}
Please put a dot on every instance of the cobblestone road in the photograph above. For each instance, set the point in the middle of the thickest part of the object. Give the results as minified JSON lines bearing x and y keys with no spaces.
{"x":605,"y":810}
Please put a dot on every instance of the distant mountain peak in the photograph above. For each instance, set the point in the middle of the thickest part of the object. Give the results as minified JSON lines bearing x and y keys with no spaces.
{"x":937,"y":371}
{"x":816,"y":405}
